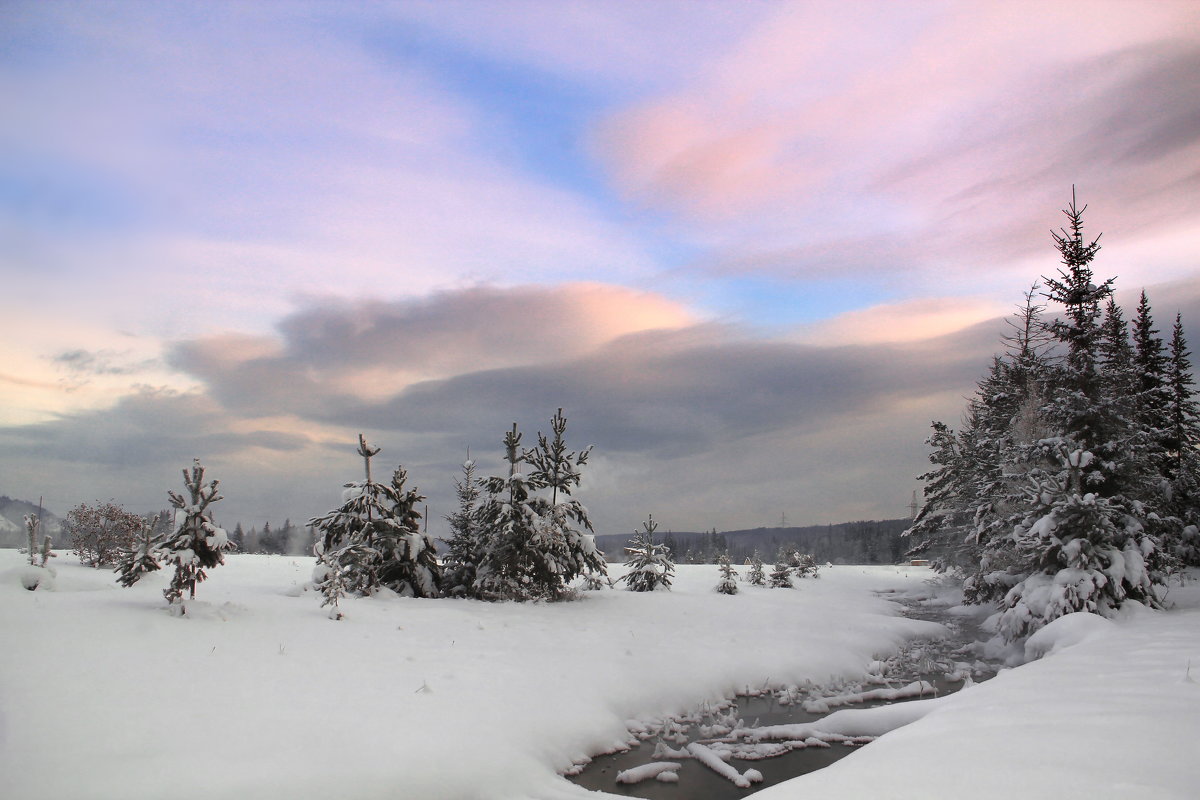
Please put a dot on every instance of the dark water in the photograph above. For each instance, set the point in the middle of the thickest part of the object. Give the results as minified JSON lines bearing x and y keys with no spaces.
{"x":932,"y":660}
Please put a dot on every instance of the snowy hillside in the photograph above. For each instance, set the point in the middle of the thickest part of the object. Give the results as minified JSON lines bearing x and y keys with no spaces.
{"x":256,"y":693}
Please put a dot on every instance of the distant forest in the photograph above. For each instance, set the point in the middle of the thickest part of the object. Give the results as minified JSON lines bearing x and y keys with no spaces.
{"x":863,"y":542}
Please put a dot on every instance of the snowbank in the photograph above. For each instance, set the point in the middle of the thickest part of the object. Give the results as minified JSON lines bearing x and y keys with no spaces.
{"x":1108,"y":712}
{"x":255,"y":693}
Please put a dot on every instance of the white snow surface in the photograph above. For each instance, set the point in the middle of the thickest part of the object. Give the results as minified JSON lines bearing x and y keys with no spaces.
{"x":1108,"y":712}
{"x":256,"y":693}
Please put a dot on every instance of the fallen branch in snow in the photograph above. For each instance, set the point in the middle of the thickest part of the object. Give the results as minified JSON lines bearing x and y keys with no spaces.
{"x":713,"y":761}
{"x":914,"y":689}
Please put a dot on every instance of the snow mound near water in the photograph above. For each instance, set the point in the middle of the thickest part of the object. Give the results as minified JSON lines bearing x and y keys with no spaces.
{"x":1066,"y":631}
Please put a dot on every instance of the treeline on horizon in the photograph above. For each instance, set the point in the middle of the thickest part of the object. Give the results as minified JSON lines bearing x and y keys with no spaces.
{"x":859,"y":542}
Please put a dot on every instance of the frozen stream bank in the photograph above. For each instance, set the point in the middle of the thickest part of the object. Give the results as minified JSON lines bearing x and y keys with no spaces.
{"x":767,"y":735}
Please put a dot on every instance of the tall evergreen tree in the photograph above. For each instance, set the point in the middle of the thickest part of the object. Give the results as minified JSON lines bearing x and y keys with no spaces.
{"x":1051,"y":498}
{"x":1180,"y":440}
{"x":1077,"y":405}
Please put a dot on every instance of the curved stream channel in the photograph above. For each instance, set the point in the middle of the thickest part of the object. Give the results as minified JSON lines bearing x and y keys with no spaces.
{"x":930,"y":667}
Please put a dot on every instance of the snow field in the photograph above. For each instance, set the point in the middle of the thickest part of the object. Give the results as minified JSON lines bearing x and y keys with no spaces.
{"x":256,"y":693}
{"x":1108,"y":712}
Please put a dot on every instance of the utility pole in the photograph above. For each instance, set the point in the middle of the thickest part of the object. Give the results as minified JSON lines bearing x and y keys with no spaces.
{"x":783,"y":520}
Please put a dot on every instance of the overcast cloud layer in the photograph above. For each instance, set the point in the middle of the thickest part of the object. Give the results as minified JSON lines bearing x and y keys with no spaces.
{"x":752,"y":249}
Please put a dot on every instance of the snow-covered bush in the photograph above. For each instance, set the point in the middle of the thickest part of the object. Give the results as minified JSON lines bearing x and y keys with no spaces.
{"x":196,"y":544}
{"x":649,"y":564}
{"x":103,"y":534}
{"x":728,"y":582}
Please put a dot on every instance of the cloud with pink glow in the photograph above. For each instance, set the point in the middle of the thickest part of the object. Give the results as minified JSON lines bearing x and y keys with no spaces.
{"x":751,"y":248}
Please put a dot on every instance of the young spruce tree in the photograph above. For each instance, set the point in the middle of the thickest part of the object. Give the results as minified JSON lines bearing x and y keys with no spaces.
{"x":464,"y":548}
{"x":728,"y":582}
{"x":197,"y":544}
{"x":649,"y":564}
{"x":374,"y":540}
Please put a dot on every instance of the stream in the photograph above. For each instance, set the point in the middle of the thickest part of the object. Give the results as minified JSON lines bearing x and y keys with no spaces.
{"x":925,"y":668}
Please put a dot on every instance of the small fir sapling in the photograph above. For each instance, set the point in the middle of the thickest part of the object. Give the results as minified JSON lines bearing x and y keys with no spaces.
{"x":47,"y":553}
{"x":333,"y":588}
{"x":781,"y":576}
{"x":508,"y":559}
{"x":141,"y":559}
{"x":728,"y":582}
{"x":805,"y":565}
{"x":593,"y":582}
{"x":465,"y":545}
{"x":755,"y":576}
{"x":562,"y":532}
{"x":649,"y":564}
{"x":32,"y":523}
{"x":197,"y":543}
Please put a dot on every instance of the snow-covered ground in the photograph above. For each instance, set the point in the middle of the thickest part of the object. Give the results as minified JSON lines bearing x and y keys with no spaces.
{"x":256,"y":693}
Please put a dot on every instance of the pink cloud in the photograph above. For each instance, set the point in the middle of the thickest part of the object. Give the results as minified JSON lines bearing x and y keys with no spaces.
{"x":949,"y":131}
{"x":909,"y":321}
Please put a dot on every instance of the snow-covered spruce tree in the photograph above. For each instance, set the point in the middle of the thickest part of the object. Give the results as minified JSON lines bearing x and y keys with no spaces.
{"x":1088,"y":552}
{"x":374,"y":540}
{"x":464,"y":548}
{"x":1059,"y":487}
{"x":559,"y":531}
{"x":755,"y":576}
{"x":534,"y":546}
{"x":1181,"y":436}
{"x":140,"y":559}
{"x":197,"y":544}
{"x":728,"y":582}
{"x":781,"y":576}
{"x":649,"y":564}
{"x":805,"y":566}
{"x":509,"y":559}
{"x":1080,"y":533}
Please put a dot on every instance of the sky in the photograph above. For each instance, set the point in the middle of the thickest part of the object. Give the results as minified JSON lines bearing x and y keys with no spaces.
{"x":752,"y":249}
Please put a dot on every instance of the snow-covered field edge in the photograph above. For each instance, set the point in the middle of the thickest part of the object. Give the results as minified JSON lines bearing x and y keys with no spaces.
{"x":1105,"y":709}
{"x":256,"y":693}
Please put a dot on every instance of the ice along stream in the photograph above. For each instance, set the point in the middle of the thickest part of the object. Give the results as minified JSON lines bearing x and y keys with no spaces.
{"x":722,"y":751}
